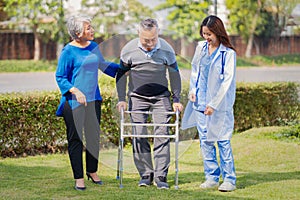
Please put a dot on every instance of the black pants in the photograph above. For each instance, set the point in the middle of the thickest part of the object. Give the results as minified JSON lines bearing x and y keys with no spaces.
{"x":83,"y":119}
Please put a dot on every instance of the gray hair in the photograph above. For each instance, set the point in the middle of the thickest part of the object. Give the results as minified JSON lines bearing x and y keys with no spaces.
{"x":75,"y":25}
{"x":148,"y":24}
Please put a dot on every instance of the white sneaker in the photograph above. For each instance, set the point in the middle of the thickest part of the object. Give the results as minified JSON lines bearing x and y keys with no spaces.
{"x":209,"y":184}
{"x":226,"y":187}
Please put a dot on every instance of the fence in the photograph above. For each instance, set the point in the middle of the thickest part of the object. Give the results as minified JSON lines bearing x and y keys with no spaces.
{"x":21,"y":46}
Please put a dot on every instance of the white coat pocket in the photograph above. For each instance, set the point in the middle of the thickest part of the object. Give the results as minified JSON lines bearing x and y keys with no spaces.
{"x":216,"y":126}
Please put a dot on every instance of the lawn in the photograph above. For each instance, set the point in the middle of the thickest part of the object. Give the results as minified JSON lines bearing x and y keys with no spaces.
{"x":266,"y":169}
{"x":184,"y":63}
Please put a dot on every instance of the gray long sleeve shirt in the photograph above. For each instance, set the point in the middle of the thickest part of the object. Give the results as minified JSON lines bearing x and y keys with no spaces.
{"x":148,"y":74}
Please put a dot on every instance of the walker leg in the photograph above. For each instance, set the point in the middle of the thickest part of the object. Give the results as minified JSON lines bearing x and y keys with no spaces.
{"x":121,"y":164}
{"x":118,"y":164}
{"x":176,"y":165}
{"x":176,"y":149}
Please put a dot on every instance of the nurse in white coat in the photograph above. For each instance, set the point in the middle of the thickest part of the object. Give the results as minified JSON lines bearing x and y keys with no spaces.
{"x":211,"y":100}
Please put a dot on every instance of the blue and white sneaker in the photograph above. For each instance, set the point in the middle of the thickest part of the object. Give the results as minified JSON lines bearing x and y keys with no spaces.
{"x":226,"y":187}
{"x":208,"y":184}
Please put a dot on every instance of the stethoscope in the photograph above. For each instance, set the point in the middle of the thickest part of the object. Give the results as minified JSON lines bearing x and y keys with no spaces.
{"x":222,"y":62}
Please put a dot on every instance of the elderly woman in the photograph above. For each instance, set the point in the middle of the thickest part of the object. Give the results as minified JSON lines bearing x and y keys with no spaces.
{"x":80,"y":105}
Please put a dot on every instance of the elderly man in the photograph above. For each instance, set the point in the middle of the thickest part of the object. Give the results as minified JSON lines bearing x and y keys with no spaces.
{"x":145,"y":61}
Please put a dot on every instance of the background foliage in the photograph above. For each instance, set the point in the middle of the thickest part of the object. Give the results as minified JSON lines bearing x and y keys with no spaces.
{"x":258,"y":18}
{"x":43,"y":17}
{"x":185,"y":17}
{"x":28,"y":124}
{"x":115,"y":16}
{"x":266,"y":104}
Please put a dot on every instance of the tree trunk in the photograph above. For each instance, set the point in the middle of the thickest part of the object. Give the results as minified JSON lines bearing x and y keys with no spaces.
{"x":183,"y":50}
{"x":257,"y":49}
{"x":59,"y":47}
{"x":253,"y":27}
{"x":249,"y":46}
{"x":36,"y":44}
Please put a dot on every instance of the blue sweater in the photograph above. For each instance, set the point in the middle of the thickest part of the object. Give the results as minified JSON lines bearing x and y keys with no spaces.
{"x":78,"y":67}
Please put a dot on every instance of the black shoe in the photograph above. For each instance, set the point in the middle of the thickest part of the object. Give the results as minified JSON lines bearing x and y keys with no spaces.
{"x":79,"y":188}
{"x":146,"y":180}
{"x":96,"y":182}
{"x":161,"y":182}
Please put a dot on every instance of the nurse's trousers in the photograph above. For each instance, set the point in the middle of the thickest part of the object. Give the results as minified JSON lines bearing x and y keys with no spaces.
{"x":213,"y":170}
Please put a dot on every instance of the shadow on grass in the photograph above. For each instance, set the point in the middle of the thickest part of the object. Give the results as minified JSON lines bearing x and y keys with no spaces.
{"x":253,"y":178}
{"x":51,"y":182}
{"x":187,"y":190}
{"x":55,"y":182}
{"x":244,"y":180}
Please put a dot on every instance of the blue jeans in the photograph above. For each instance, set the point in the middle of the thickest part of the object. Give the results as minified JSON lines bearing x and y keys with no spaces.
{"x":212,"y":169}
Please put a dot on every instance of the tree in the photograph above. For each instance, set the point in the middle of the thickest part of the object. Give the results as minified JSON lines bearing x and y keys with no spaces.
{"x":34,"y":14}
{"x":3,"y":15}
{"x":280,"y":10}
{"x":56,"y":31}
{"x":244,"y":18}
{"x":185,"y":17}
{"x":109,"y":16}
{"x":258,"y":18}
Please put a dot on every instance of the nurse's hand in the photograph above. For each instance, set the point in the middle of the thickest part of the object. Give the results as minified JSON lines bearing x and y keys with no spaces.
{"x":208,"y":110}
{"x":80,"y":97}
{"x":192,"y":97}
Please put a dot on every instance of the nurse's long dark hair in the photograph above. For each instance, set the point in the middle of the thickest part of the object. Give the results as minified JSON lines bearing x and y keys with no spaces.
{"x":215,"y":25}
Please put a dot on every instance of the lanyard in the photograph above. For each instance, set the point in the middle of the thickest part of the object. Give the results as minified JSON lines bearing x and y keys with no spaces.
{"x":223,"y":64}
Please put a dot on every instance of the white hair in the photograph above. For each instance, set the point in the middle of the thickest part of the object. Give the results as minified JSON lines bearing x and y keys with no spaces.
{"x":75,"y":25}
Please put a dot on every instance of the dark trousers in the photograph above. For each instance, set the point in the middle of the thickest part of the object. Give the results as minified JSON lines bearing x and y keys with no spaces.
{"x":83,"y":119}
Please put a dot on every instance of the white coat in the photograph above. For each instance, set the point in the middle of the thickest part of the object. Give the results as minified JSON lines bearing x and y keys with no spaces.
{"x":220,"y":93}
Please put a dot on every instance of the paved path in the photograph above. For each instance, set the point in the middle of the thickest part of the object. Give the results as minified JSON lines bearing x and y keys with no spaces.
{"x":27,"y":81}
{"x":31,"y":81}
{"x":262,"y":74}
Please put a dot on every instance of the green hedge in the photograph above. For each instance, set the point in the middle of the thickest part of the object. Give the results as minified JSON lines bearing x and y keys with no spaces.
{"x":266,"y":104}
{"x":28,"y":125}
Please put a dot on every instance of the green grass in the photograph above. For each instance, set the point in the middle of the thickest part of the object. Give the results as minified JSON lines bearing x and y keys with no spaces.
{"x":290,"y":59}
{"x":266,"y":169}
{"x":27,"y":66}
{"x":255,"y":61}
{"x":184,"y":63}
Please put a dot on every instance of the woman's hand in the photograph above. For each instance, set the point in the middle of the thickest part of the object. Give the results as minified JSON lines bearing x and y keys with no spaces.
{"x":208,"y":110}
{"x":192,"y":97}
{"x":80,"y":97}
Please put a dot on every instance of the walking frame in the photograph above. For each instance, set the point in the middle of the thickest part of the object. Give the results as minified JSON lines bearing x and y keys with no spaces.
{"x":123,"y":135}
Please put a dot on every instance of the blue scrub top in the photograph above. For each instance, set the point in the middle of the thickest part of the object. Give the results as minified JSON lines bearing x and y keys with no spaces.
{"x":202,"y":88}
